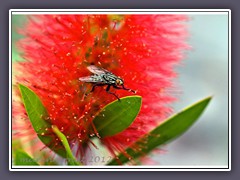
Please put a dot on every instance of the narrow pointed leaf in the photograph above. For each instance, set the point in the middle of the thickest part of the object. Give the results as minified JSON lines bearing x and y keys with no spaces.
{"x":70,"y":158}
{"x":23,"y":159}
{"x":36,"y":113}
{"x":165,"y":132}
{"x":117,"y":116}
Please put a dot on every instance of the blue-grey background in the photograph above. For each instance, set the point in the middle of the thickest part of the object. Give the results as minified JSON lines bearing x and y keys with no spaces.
{"x":204,"y":73}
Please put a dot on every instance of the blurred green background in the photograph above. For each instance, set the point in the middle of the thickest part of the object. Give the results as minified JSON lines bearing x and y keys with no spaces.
{"x":17,"y":22}
{"x":204,"y":72}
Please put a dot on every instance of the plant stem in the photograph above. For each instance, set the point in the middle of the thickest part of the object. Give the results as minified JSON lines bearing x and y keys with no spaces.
{"x":70,"y":158}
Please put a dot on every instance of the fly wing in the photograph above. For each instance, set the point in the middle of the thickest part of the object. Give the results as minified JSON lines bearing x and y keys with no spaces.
{"x":97,"y":70}
{"x":90,"y":79}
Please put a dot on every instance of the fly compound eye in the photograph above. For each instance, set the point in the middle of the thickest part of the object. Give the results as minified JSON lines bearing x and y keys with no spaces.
{"x":119,"y":82}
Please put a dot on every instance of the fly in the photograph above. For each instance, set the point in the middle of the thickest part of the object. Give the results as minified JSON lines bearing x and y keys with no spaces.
{"x":102,"y":77}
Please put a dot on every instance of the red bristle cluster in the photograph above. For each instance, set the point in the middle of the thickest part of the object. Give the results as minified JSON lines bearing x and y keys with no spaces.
{"x":141,"y":49}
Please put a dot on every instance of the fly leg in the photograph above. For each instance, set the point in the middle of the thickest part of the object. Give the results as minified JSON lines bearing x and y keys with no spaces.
{"x":95,"y":85}
{"x":93,"y":88}
{"x":108,"y":88}
{"x":128,"y":89}
{"x":116,"y":87}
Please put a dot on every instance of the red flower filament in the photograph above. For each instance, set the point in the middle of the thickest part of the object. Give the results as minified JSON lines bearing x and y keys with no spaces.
{"x":141,"y":49}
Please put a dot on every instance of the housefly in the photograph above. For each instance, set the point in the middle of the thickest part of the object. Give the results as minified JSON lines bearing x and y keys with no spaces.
{"x":102,"y":77}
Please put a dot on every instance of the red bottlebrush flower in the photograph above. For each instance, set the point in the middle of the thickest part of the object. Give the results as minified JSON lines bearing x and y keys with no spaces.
{"x":141,"y":49}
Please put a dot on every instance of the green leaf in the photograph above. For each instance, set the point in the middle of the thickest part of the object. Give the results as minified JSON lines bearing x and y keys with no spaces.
{"x":22,"y":158}
{"x":37,"y":114}
{"x":117,"y":116}
{"x":70,"y":158}
{"x":168,"y":130}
